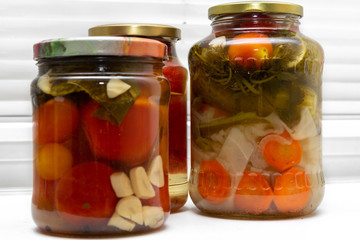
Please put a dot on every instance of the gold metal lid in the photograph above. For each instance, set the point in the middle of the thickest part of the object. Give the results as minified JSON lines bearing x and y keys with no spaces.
{"x":136,"y":29}
{"x":239,"y":7}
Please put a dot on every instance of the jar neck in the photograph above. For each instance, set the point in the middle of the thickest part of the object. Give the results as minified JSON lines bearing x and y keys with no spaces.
{"x":259,"y":22}
{"x":101,"y":65}
{"x":170,"y":45}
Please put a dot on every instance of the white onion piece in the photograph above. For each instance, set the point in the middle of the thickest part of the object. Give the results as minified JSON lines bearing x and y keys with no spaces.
{"x":306,"y":128}
{"x":235,"y":152}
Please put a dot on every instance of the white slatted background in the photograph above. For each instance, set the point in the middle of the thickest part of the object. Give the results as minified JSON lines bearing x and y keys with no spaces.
{"x":335,"y":24}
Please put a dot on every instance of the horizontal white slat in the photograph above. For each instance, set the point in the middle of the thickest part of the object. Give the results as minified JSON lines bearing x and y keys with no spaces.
{"x":87,"y":10}
{"x":16,"y":174}
{"x":341,"y":129}
{"x":16,"y":131}
{"x":342,"y":73}
{"x":15,"y":151}
{"x":339,"y":108}
{"x":341,"y":168}
{"x":15,"y":90}
{"x":17,"y":69}
{"x":15,"y":108}
{"x":341,"y":91}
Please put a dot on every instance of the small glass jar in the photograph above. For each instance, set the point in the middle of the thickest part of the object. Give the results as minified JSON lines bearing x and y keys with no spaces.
{"x":256,"y":113}
{"x":100,"y":113}
{"x":177,"y":76}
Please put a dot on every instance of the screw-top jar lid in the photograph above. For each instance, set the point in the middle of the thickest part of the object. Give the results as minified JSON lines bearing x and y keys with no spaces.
{"x":136,"y":29}
{"x":239,"y":7}
{"x":99,"y":46}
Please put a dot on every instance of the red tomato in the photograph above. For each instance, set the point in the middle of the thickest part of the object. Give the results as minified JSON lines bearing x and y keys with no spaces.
{"x":177,"y":76}
{"x":84,"y":196}
{"x":177,"y":134}
{"x":79,"y":147}
{"x":132,"y":141}
{"x":55,"y":120}
{"x":250,"y":50}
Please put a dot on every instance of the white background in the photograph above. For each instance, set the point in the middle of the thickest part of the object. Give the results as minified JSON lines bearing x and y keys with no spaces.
{"x":335,"y":24}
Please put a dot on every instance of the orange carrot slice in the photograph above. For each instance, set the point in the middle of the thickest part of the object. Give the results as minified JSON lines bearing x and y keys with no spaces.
{"x":253,"y":194}
{"x":214,"y":182}
{"x":291,"y":190}
{"x":280,"y":151}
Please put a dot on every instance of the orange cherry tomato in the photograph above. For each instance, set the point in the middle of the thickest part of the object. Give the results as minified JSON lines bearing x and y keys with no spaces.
{"x":132,"y":141}
{"x":55,"y":120}
{"x":84,"y":195}
{"x":250,"y":50}
{"x":280,"y":155}
{"x":53,"y":160}
{"x":253,"y":194}
{"x":291,"y":190}
{"x":214,"y":182}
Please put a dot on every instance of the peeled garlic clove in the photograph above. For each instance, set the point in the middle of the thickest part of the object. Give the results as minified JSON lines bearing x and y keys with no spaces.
{"x":115,"y":87}
{"x":130,"y":208}
{"x":44,"y":83}
{"x":121,"y":223}
{"x":141,"y":184}
{"x":120,"y":182}
{"x":156,"y":172}
{"x":153,"y":216}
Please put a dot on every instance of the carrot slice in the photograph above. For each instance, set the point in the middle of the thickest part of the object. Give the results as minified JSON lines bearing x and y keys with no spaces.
{"x":253,"y":194}
{"x":291,"y":190}
{"x":281,"y":151}
{"x":214,"y":182}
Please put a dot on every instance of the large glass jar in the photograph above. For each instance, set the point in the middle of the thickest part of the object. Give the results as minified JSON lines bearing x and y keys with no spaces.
{"x":177,"y":76}
{"x":100,"y":113}
{"x":256,"y":113}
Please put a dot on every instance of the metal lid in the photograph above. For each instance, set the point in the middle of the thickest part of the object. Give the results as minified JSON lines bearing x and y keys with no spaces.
{"x":99,"y":46}
{"x":136,"y":29}
{"x":239,"y":7}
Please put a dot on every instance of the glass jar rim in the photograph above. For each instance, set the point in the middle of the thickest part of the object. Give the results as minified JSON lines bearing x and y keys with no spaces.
{"x":136,"y":29}
{"x":255,"y":6}
{"x":99,"y":46}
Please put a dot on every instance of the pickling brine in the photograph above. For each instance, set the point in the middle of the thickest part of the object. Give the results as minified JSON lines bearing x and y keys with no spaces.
{"x":256,"y":114}
{"x":176,"y":74}
{"x":100,"y":113}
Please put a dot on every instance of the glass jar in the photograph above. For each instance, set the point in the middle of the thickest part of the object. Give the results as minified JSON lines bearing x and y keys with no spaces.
{"x":256,"y":113}
{"x":100,"y":113}
{"x":177,"y":76}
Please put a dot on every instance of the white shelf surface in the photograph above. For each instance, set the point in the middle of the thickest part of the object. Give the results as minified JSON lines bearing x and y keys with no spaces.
{"x":336,"y":218}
